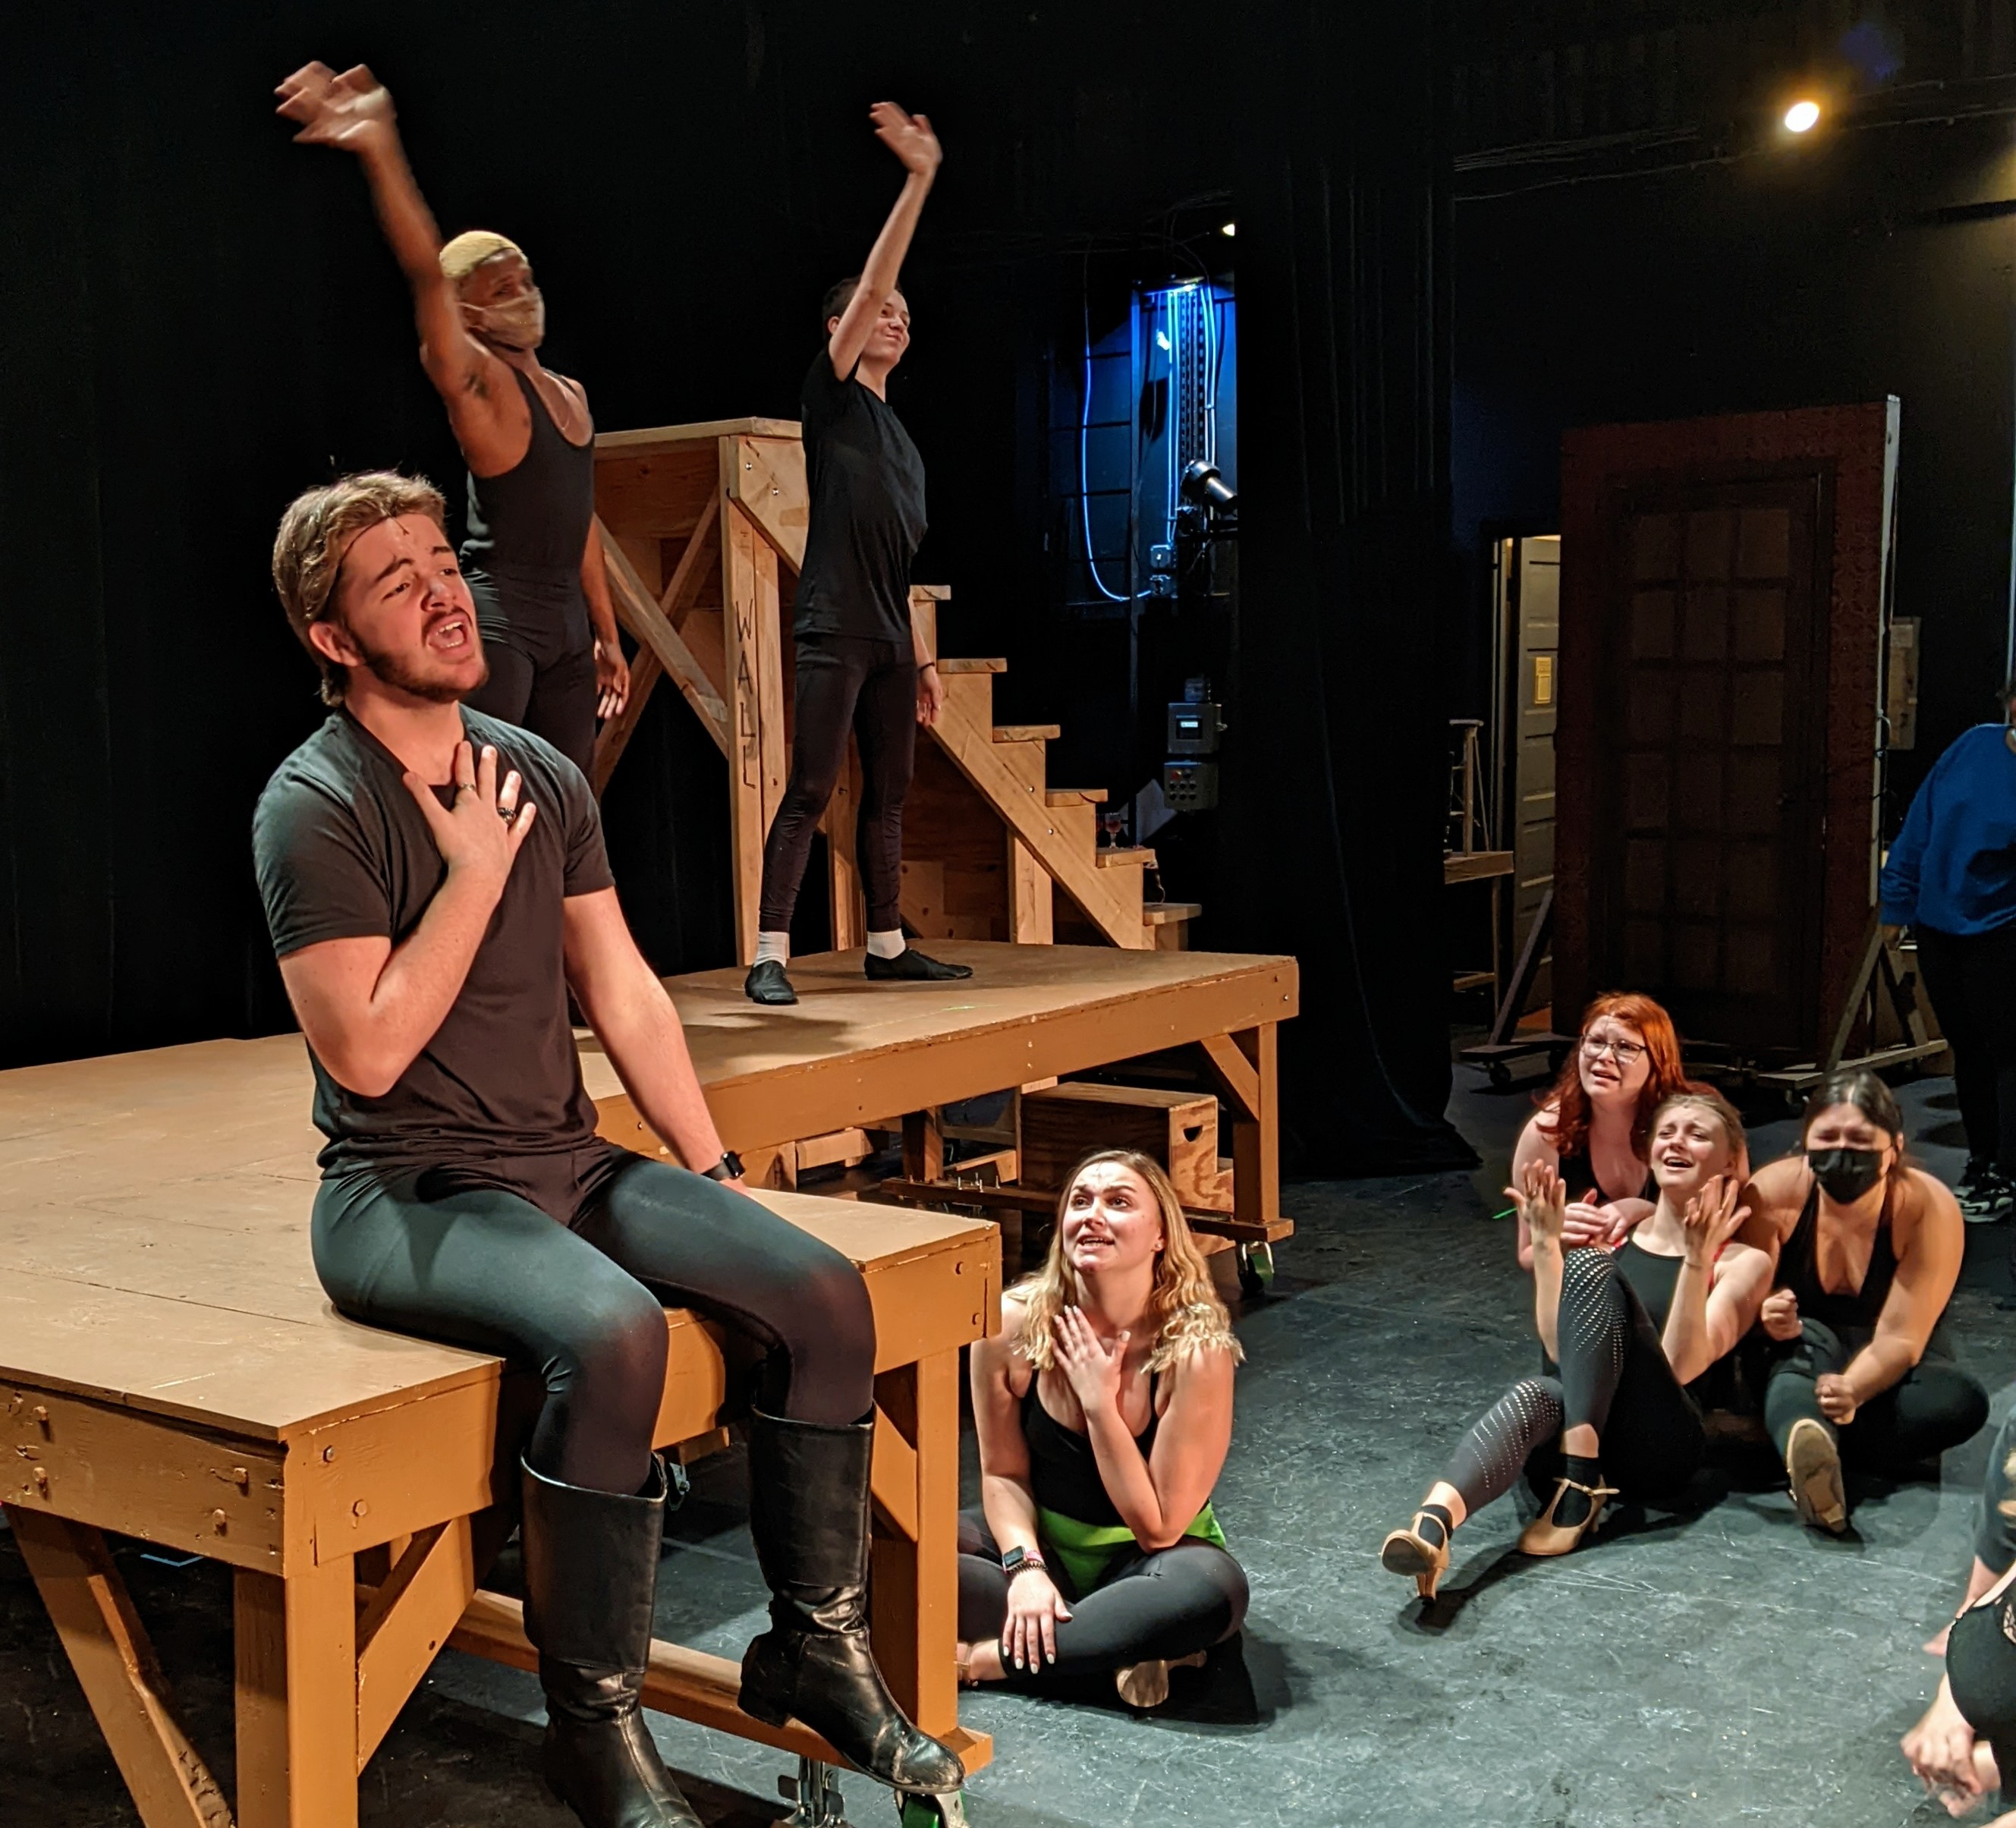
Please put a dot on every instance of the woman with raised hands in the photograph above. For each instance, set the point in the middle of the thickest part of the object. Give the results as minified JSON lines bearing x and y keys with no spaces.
{"x":1103,"y":1407}
{"x":1633,"y":1338}
{"x":1594,"y":1126}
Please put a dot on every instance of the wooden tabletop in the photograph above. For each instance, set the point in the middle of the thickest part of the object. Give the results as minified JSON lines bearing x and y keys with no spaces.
{"x":850,"y":1051}
{"x":154,"y":1251}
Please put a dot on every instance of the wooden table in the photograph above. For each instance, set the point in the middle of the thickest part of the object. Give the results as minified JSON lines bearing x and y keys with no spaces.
{"x":171,"y":1370}
{"x":851,"y":1052}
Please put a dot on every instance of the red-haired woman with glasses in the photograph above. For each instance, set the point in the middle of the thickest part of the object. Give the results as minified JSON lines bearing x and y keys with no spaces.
{"x":1594,"y":1129}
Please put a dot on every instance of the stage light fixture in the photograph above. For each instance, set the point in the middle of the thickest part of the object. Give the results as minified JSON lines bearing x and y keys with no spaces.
{"x":1802,"y":117}
{"x":1203,"y":485}
{"x":1230,"y":228}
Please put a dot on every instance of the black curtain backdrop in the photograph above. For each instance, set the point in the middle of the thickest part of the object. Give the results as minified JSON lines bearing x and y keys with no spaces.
{"x":200,"y":320}
{"x":1338,"y":770}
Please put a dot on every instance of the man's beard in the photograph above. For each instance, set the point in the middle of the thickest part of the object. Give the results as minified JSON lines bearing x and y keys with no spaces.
{"x":391,"y":669}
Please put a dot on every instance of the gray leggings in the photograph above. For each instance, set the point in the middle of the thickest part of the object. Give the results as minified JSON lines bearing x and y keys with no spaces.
{"x":457,"y":1255}
{"x":1164,"y":1605}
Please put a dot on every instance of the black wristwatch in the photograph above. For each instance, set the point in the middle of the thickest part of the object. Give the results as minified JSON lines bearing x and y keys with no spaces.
{"x":1017,"y":1559}
{"x":728,"y":1168}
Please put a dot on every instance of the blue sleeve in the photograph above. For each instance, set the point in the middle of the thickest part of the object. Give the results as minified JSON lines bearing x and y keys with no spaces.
{"x":1897,"y":891}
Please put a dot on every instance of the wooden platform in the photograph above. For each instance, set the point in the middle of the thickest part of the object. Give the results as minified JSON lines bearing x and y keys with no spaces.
{"x":170,"y":1369}
{"x":851,"y":1052}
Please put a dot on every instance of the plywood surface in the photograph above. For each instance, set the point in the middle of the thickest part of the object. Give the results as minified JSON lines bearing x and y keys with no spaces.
{"x":840,"y":1017}
{"x":154,"y":1251}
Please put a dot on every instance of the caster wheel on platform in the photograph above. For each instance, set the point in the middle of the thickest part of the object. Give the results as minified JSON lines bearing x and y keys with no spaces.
{"x":932,"y":1811}
{"x":1256,"y":1270}
{"x":1500,"y":1076}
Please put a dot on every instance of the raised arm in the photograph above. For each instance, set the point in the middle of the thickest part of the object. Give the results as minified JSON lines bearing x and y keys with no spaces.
{"x":1721,"y":1285}
{"x":909,"y":137}
{"x":367,"y":1006}
{"x":1927,"y":1270}
{"x":628,"y":1007}
{"x":353,"y":112}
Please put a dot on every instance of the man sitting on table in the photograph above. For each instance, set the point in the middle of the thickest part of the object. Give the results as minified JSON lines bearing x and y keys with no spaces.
{"x":436,"y":884}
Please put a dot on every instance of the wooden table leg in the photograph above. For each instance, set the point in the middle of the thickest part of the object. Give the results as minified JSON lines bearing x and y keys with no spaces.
{"x":916,"y":1582}
{"x":297,"y":1656}
{"x":1244,"y":1066}
{"x":108,"y":1647}
{"x":923,"y":1146}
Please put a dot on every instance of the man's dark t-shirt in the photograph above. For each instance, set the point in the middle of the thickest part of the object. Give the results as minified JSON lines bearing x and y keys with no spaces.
{"x":343,"y":851}
{"x":866,"y":483}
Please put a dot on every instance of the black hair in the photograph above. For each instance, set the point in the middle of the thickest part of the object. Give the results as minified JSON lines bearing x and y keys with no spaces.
{"x":1859,"y":1087}
{"x":837,"y":297}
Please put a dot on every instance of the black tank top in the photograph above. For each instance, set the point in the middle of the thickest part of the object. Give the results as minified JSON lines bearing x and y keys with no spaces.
{"x":1578,"y":1173}
{"x":1799,"y":1270}
{"x":527,"y":530}
{"x":1651,"y":1277}
{"x":1063,"y":1475}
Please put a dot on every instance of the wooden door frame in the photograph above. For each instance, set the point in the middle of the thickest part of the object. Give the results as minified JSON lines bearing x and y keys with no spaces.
{"x":1599,"y":465}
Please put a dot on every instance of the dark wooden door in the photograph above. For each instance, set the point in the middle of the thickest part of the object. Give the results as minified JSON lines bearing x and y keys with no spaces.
{"x":1705,"y":889}
{"x":1721,"y":626}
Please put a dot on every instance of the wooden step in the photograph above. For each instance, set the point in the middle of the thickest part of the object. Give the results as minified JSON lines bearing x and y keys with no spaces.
{"x":1075,"y":796}
{"x":1168,"y":924}
{"x":1027,"y":732}
{"x":946,"y":666}
{"x":1124,"y":856}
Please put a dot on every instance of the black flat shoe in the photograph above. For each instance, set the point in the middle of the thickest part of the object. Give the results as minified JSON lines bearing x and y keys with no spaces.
{"x":913,"y":966}
{"x":767,"y":983}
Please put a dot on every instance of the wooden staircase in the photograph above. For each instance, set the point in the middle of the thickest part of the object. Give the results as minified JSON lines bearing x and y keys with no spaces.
{"x":970,"y":875}
{"x":699,"y":526}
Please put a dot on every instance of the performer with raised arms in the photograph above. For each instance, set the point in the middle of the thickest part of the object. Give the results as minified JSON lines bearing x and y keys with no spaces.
{"x":532,"y":561}
{"x":862,"y":661}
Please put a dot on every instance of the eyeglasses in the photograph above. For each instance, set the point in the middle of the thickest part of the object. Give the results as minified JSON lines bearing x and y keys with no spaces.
{"x":1626,"y":1054}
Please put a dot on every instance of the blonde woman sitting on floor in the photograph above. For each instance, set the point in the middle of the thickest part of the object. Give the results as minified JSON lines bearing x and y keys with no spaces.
{"x":1104,"y":1410}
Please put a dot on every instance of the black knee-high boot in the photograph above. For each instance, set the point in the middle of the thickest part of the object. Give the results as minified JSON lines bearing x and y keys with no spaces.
{"x":808,"y":1514}
{"x":591,"y":1577}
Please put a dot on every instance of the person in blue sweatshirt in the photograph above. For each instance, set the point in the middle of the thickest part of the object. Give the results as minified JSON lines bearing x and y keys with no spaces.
{"x":1951,"y":878}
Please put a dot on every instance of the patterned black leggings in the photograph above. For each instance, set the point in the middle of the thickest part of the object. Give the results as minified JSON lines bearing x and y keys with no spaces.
{"x":1613,"y":1377}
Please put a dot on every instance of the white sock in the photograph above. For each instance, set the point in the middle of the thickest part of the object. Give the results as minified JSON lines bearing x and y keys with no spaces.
{"x":886,"y":945}
{"x":773,"y":948}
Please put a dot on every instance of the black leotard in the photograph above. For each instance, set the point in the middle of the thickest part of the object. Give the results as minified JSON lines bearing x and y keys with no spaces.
{"x":1853,"y":1314}
{"x":528,"y":531}
{"x":1063,"y":1475}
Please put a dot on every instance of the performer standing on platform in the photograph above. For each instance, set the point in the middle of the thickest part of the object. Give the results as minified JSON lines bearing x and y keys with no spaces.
{"x":435,"y":885}
{"x":532,"y":561}
{"x":861,"y":660}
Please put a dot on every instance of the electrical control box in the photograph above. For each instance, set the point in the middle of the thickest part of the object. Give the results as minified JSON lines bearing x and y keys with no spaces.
{"x":1190,"y":786}
{"x":1194,"y":728}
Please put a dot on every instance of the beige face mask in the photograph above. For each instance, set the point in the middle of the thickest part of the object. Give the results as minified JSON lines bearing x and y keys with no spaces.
{"x":518,"y":323}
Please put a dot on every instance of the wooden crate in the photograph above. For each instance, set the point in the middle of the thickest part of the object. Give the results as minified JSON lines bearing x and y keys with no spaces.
{"x":1064,"y":1124}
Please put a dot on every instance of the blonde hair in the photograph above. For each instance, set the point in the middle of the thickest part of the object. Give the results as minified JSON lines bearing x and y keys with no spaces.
{"x":1189,"y":1316}
{"x":471,"y":248}
{"x":315,"y":532}
{"x":1705,"y":1098}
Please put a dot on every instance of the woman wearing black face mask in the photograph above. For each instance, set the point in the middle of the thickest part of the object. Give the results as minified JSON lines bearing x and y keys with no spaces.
{"x":1868,"y":1250}
{"x":534,"y":563}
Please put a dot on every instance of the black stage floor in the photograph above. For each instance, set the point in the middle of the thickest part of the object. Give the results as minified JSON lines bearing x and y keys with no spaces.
{"x":1718,"y":1668}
